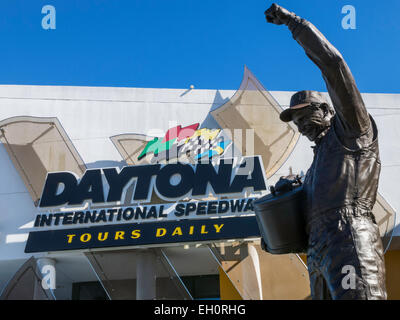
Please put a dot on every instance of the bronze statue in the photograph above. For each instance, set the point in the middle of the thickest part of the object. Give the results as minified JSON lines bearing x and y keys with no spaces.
{"x":345,"y":254}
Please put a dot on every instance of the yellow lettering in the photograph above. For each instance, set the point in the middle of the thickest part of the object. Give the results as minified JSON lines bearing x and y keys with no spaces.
{"x":119,"y":235}
{"x":85,"y":237}
{"x":135,"y":234}
{"x":102,"y":237}
{"x":178,"y":231}
{"x":191,"y":230}
{"x":161,"y":232}
{"x":70,"y":236}
{"x":203,"y":229}
{"x":218,"y":228}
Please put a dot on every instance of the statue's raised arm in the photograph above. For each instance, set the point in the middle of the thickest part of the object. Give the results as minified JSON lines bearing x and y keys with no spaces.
{"x":340,"y":83}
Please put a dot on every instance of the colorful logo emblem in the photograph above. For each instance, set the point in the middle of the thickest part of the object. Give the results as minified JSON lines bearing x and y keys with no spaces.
{"x":189,"y":142}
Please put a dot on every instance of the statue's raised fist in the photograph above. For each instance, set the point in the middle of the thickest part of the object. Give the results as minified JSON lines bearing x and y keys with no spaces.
{"x":277,"y":15}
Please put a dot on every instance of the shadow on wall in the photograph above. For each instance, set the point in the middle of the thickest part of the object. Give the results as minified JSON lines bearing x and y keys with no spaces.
{"x":209,"y":122}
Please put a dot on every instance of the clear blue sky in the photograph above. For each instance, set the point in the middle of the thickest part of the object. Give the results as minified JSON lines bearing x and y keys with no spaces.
{"x":176,"y":43}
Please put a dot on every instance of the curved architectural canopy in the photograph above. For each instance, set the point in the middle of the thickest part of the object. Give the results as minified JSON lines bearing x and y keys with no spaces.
{"x":37,"y":146}
{"x":130,"y":146}
{"x":385,"y":217}
{"x":253,"y":107}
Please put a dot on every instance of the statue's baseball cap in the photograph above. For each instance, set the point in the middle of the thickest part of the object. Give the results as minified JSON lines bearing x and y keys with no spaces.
{"x":299,"y":100}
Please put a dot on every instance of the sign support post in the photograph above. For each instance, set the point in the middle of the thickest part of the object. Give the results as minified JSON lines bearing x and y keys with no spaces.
{"x":146,"y":276}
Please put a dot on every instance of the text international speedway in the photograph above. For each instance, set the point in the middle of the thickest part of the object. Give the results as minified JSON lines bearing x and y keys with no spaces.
{"x":145,"y":212}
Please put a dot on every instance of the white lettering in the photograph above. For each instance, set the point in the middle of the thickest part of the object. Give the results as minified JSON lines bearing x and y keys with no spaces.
{"x":349,"y":20}
{"x":49,"y":277}
{"x":49,"y":20}
{"x":349,"y":280}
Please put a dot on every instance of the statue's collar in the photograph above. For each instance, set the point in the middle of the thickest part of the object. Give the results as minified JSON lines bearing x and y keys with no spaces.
{"x":321,"y":135}
{"x":318,"y":139}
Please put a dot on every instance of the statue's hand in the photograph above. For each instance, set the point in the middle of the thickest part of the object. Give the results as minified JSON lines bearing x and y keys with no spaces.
{"x":277,"y":15}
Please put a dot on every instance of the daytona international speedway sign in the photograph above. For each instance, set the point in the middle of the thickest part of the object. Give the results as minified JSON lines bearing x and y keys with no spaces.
{"x":172,"y":202}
